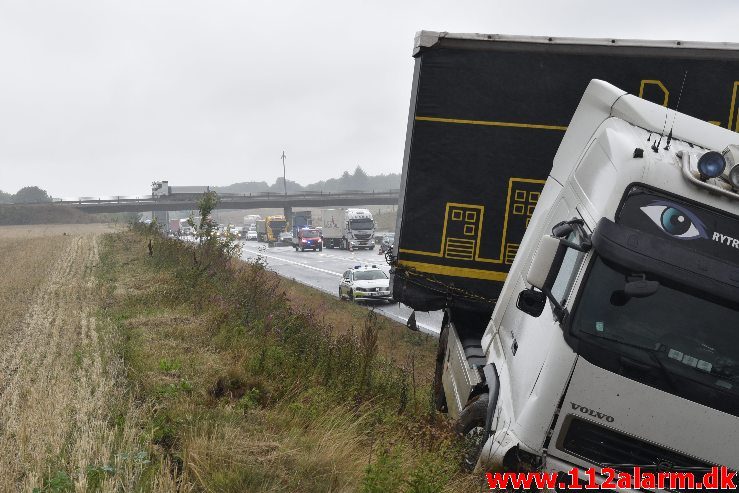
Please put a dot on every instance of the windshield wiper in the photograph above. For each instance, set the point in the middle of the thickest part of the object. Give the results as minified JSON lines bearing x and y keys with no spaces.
{"x":651,"y":351}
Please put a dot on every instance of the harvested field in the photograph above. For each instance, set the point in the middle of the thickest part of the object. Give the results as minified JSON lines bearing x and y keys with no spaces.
{"x":41,"y":230}
{"x":67,"y":423}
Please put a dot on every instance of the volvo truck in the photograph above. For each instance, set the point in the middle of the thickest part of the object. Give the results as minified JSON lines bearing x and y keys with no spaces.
{"x":348,"y":229}
{"x":614,"y":339}
{"x":586,"y":264}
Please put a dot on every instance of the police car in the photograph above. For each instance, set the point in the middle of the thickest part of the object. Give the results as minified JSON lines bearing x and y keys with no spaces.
{"x":365,"y":283}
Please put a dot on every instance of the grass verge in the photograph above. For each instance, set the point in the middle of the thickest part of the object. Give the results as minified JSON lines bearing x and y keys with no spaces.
{"x":254,"y":384}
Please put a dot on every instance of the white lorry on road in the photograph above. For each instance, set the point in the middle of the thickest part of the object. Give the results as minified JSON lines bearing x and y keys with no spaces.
{"x":348,"y":229}
{"x":615,"y":339}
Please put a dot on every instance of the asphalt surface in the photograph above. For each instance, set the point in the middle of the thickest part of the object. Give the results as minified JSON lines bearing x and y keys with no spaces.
{"x":323,"y":270}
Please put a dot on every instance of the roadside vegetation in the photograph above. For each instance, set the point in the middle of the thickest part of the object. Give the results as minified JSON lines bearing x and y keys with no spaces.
{"x":248,"y":383}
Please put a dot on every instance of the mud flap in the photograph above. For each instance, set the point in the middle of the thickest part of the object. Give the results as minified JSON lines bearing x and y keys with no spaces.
{"x":411,"y":323}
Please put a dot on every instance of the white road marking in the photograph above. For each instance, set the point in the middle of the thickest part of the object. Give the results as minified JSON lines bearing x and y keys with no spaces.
{"x":386,"y":311}
{"x":293,"y":262}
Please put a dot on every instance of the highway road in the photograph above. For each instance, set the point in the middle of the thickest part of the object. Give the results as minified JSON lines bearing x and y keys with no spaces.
{"x":323,"y":270}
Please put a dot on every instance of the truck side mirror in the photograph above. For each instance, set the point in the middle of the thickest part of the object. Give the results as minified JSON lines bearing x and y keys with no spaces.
{"x":542,"y":272}
{"x":531,"y":302}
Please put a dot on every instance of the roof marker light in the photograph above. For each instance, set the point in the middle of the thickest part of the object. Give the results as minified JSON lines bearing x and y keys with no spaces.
{"x":710,"y":165}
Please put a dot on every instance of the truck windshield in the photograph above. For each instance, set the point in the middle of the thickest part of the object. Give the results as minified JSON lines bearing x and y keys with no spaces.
{"x":673,"y":339}
{"x":277,"y":225}
{"x":369,"y":275}
{"x":362,"y":223}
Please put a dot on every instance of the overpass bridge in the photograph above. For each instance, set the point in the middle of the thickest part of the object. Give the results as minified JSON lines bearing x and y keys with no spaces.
{"x":189,"y":201}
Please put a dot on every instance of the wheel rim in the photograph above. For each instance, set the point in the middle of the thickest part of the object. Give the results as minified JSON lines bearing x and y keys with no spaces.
{"x":473,"y":443}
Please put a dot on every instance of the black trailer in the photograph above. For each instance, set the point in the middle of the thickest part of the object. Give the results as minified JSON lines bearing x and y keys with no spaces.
{"x":486,"y":117}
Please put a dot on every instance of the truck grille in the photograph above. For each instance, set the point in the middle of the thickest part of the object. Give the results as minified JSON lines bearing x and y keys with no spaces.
{"x":362,"y":236}
{"x":603,"y":446}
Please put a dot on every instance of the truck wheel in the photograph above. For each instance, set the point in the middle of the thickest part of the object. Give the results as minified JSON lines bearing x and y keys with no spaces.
{"x":439,"y":395}
{"x":372,"y":247}
{"x":320,"y":249}
{"x":302,"y":249}
{"x":471,"y":426}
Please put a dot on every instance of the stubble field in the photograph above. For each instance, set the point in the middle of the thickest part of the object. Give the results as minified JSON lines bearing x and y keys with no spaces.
{"x":66,"y":422}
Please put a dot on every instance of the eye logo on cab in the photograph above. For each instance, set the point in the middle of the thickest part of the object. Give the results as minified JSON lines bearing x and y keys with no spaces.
{"x":675,"y":221}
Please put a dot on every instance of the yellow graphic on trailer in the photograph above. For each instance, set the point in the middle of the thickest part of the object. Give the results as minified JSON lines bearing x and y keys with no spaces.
{"x":462,"y":227}
{"x":462,"y":234}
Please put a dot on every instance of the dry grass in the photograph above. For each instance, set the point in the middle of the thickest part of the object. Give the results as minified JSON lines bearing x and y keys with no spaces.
{"x":396,"y":343}
{"x":273,"y":400}
{"x":67,"y":422}
{"x":46,"y":230}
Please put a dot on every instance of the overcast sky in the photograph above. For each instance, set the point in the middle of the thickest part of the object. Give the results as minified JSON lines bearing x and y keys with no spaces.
{"x":103,"y":97}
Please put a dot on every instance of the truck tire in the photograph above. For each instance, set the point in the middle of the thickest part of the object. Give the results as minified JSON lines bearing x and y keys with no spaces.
{"x":302,"y":249}
{"x":439,"y":395}
{"x":471,"y":425}
{"x":320,"y":248}
{"x":371,"y":247}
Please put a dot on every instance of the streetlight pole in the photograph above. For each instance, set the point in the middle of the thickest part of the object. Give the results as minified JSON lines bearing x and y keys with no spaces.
{"x":284,"y":180}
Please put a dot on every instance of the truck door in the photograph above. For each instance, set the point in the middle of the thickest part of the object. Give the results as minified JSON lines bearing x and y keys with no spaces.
{"x":526,"y":340}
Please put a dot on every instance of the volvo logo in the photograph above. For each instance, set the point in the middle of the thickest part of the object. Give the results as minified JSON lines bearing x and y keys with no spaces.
{"x":592,"y":412}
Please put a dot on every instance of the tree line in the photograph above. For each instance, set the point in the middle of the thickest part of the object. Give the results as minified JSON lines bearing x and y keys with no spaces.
{"x":26,"y":195}
{"x":359,"y":180}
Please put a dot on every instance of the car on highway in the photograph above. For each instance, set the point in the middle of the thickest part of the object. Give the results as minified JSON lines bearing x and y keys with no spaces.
{"x":387,"y":243}
{"x":251,"y":233}
{"x":307,"y":238}
{"x":365,"y":283}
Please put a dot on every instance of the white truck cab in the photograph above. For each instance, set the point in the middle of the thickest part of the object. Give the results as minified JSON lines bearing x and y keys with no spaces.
{"x":615,"y":339}
{"x":348,"y":229}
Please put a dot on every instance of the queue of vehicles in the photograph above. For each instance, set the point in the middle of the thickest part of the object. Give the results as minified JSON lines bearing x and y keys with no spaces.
{"x":587,"y":265}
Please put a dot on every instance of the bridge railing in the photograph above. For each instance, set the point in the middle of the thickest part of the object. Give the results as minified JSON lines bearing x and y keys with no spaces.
{"x":149,"y":199}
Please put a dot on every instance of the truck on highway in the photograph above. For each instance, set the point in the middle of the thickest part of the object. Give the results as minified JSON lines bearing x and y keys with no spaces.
{"x":270,"y":228}
{"x":251,"y":220}
{"x":348,"y":229}
{"x":303,"y":235}
{"x":587,"y":265}
{"x":184,"y":227}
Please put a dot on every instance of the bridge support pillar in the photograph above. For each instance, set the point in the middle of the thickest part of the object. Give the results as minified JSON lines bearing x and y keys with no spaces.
{"x":288,"y":211}
{"x":162,"y":219}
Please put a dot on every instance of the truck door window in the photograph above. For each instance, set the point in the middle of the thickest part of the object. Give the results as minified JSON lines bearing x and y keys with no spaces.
{"x":567,"y":273}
